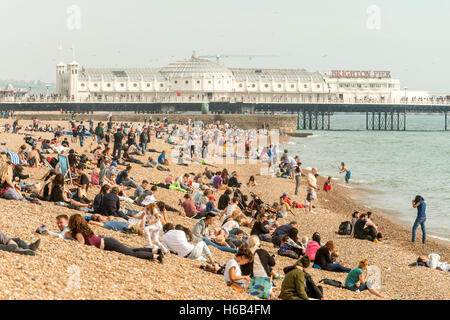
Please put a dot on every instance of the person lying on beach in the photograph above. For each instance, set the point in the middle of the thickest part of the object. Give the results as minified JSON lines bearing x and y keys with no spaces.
{"x":433,"y":262}
{"x":127,"y":157}
{"x":82,"y":233}
{"x":357,"y":279}
{"x":108,"y":223}
{"x":62,"y":221}
{"x":178,"y":241}
{"x":17,"y":245}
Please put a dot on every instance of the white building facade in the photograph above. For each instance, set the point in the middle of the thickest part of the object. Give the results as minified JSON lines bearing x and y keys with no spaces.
{"x":201,"y":80}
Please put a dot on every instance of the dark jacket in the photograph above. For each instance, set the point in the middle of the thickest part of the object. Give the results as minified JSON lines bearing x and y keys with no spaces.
{"x":110,"y":204}
{"x":98,"y":203}
{"x":259,"y":228}
{"x":233,"y":182}
{"x":323,"y":257}
{"x":224,"y":200}
{"x":359,"y":231}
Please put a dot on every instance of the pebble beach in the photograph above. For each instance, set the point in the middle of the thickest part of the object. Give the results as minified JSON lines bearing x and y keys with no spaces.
{"x":67,"y":270}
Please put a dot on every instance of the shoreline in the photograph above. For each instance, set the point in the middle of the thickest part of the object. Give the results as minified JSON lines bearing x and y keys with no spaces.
{"x":388,"y":222}
{"x":389,"y":214}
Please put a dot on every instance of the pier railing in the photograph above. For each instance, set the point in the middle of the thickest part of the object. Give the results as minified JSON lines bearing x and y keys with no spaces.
{"x":264,"y":100}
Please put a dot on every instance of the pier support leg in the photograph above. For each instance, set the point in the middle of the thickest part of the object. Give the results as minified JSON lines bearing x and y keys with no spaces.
{"x":373,"y":120}
{"x":385,"y":121}
{"x":367,"y":121}
{"x":446,"y":123}
{"x":392,"y":120}
{"x":329,"y":120}
{"x":298,"y":120}
{"x":323,"y":120}
{"x":379,"y":121}
{"x":310,"y":121}
{"x":404,"y":120}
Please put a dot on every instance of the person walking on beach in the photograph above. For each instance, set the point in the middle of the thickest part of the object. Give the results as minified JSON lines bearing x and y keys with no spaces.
{"x":348,"y":173}
{"x":421,"y":206}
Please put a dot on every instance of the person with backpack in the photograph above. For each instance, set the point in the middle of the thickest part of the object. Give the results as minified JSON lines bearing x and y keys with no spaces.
{"x":294,"y":283}
{"x":81,"y":130}
{"x":357,"y":279}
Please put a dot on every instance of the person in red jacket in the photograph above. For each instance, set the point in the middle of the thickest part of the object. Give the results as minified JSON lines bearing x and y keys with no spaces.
{"x":327,"y":185}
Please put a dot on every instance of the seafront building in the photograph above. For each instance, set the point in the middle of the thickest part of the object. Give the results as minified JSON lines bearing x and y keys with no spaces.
{"x":202,"y":80}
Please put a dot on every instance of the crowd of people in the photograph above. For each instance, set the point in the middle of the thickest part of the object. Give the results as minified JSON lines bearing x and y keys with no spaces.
{"x":224,"y":217}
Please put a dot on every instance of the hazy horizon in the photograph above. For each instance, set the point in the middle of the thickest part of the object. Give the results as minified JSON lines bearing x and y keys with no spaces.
{"x":409,"y":38}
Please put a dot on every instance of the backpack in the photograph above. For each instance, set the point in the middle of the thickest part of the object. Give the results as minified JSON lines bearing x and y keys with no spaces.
{"x":345,"y":228}
{"x":331,"y":282}
{"x":313,"y":291}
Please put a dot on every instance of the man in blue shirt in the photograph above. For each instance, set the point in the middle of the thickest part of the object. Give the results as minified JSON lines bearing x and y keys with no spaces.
{"x":281,"y":231}
{"x":162,"y":159}
{"x":421,"y":206}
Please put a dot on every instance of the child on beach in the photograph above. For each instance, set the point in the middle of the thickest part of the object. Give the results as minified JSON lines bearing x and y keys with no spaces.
{"x":154,"y":226}
{"x":348,"y":173}
{"x":304,"y":241}
{"x":309,"y":200}
{"x":327,"y":185}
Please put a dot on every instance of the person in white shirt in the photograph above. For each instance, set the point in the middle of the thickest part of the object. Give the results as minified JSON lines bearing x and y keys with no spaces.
{"x":62,"y":221}
{"x":433,"y":262}
{"x":233,"y":274}
{"x":177,"y":241}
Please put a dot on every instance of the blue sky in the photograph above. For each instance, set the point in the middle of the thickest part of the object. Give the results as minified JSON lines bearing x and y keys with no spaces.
{"x":412,"y":40}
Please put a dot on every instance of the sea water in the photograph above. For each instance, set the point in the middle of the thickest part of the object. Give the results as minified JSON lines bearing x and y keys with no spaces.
{"x":389,"y":168}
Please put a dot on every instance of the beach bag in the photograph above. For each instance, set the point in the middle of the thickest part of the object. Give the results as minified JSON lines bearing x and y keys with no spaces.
{"x":345,"y":228}
{"x":260,"y":287}
{"x":236,"y":287}
{"x":331,"y":282}
{"x":288,"y":253}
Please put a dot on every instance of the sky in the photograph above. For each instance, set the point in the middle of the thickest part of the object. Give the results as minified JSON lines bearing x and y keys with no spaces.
{"x":409,"y":38}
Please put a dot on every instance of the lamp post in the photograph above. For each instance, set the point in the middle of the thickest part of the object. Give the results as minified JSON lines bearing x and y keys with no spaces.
{"x":406,"y":97}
